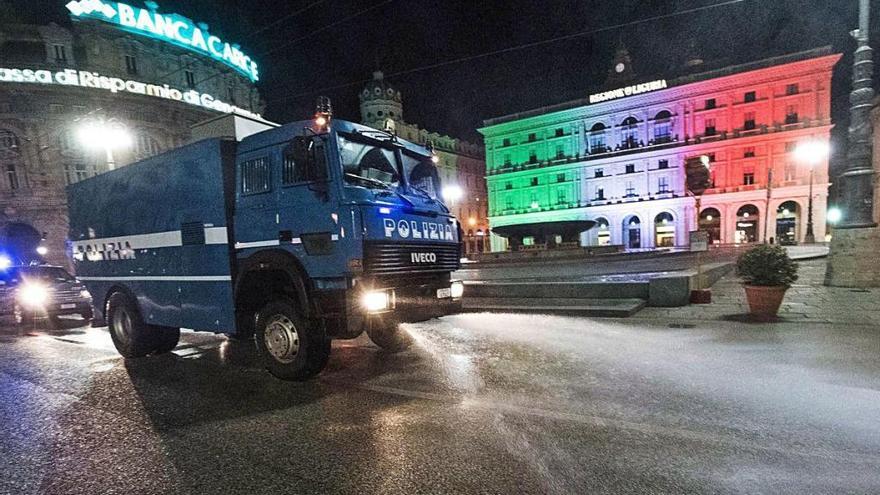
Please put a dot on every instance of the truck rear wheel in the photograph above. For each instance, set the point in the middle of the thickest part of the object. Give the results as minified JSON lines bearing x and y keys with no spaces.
{"x":387,"y":334}
{"x":291,"y":348}
{"x":131,"y":336}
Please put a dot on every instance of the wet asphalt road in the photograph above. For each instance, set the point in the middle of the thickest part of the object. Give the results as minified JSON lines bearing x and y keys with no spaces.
{"x":482,"y":404}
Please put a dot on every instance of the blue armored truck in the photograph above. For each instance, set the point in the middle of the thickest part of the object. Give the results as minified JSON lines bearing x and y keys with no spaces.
{"x":292,"y":236}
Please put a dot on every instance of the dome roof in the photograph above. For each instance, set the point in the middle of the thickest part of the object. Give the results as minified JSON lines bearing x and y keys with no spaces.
{"x":379,"y":89}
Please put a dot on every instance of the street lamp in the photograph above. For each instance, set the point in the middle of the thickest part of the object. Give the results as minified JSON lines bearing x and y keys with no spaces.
{"x":107,"y":135}
{"x":452,"y":193}
{"x":812,"y":153}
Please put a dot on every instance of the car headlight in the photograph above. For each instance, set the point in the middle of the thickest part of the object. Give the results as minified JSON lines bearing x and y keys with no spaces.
{"x":456,"y":289}
{"x":376,"y":301}
{"x":85,"y":294}
{"x":33,"y":295}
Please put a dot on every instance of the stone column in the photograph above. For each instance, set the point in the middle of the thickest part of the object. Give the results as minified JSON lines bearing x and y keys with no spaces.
{"x":855,"y":242}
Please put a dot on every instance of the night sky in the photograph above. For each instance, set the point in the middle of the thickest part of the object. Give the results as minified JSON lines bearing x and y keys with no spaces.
{"x":308,"y":55}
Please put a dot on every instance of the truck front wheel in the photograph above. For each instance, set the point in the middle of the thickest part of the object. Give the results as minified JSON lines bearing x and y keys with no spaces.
{"x":291,"y":348}
{"x":132,"y":337}
{"x":387,"y":334}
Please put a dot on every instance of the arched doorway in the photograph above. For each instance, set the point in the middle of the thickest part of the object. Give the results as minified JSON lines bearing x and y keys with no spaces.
{"x":746,"y":224}
{"x":632,"y":232}
{"x":664,"y":230}
{"x":787,"y":217}
{"x":603,"y":232}
{"x":20,"y":242}
{"x":710,"y":222}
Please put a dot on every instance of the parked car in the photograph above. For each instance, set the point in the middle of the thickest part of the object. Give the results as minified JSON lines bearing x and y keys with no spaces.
{"x":42,"y":291}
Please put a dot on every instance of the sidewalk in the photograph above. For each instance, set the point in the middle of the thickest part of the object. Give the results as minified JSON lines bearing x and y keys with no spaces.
{"x":808,"y":301}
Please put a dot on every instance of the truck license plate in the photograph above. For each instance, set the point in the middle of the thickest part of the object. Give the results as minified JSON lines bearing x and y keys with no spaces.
{"x":68,"y":306}
{"x":444,"y":293}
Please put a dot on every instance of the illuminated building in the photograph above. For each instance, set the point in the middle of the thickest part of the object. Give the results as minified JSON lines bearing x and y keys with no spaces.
{"x":459,"y":162}
{"x":619,"y":157}
{"x":97,"y":71}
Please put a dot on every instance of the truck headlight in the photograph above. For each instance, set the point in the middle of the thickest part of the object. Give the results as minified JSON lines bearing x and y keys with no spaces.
{"x":33,"y":295}
{"x":85,"y":294}
{"x":456,"y":289}
{"x":377,"y":300}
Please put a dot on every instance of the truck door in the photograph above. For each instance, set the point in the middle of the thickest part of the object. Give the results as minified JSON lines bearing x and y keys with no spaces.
{"x":257,"y":215}
{"x":309,"y":206}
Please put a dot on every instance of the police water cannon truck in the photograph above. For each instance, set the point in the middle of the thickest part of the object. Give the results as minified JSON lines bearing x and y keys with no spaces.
{"x":292,"y":236}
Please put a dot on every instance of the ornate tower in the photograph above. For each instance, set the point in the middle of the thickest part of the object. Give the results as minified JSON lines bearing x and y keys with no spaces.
{"x":380,"y":102}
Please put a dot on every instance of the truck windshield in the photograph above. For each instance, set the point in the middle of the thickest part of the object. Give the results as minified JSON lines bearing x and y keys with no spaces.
{"x":368,"y":165}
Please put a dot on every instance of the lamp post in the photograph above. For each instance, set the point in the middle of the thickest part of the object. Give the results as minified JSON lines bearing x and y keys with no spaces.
{"x":108,"y":135}
{"x":813,"y":153}
{"x":858,"y":180}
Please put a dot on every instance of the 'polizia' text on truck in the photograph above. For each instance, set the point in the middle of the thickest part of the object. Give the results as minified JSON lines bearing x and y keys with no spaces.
{"x":294,"y":235}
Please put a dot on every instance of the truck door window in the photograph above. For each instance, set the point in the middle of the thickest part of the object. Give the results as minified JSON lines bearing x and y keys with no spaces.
{"x":303,"y":161}
{"x":421,"y":174}
{"x":367,"y":165}
{"x":255,"y":176}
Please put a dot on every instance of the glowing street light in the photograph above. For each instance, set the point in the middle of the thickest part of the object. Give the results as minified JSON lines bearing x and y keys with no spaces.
{"x":452,"y":193}
{"x":811,"y":153}
{"x":834,"y":215}
{"x":107,"y":135}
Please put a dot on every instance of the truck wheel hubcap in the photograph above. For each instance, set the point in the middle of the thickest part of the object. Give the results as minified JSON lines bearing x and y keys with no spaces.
{"x":282,"y":339}
{"x":122,"y":324}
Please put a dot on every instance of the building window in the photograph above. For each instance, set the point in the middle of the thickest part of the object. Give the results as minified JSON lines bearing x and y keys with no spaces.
{"x":790,"y":146}
{"x":505,"y":142}
{"x":8,"y":141}
{"x":560,"y":177}
{"x":533,"y":156}
{"x":131,"y":64}
{"x":749,"y":152}
{"x":600,"y":193}
{"x":597,"y":138}
{"x":790,"y":171}
{"x":750,"y":97}
{"x":230,"y":95}
{"x":710,"y":127}
{"x":190,"y":79}
{"x":662,"y":127}
{"x":255,"y":176}
{"x":560,"y":196}
{"x":663,"y":164}
{"x":629,"y":133}
{"x":508,"y":203}
{"x":560,"y":132}
{"x":146,"y":146}
{"x":534,"y":181}
{"x":748,"y":178}
{"x":77,"y":171}
{"x":11,"y":176}
{"x":630,"y":168}
{"x":506,"y":160}
{"x":60,"y":53}
{"x":630,"y":189}
{"x":533,"y":137}
{"x":663,"y":185}
{"x":791,"y":89}
{"x":710,"y":104}
{"x":508,"y":186}
{"x":599,"y":173}
{"x":749,"y":121}
{"x":791,"y":114}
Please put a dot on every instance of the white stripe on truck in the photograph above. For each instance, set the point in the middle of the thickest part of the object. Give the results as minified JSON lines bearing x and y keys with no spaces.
{"x":161,"y":278}
{"x":172,"y":238}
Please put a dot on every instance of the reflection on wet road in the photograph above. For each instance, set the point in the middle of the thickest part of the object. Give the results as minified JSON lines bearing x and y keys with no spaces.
{"x":482,"y":403}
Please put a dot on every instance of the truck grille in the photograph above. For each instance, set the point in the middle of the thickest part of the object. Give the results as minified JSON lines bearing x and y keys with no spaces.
{"x":382,"y":258}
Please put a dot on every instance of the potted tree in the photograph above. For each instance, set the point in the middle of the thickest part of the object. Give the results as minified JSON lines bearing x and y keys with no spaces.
{"x":767,"y":272}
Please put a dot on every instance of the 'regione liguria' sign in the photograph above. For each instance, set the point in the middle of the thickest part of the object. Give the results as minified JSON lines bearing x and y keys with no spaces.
{"x":93,"y":80}
{"x":172,"y":28}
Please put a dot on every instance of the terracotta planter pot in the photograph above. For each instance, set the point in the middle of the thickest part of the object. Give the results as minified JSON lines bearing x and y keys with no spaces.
{"x":764,"y":302}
